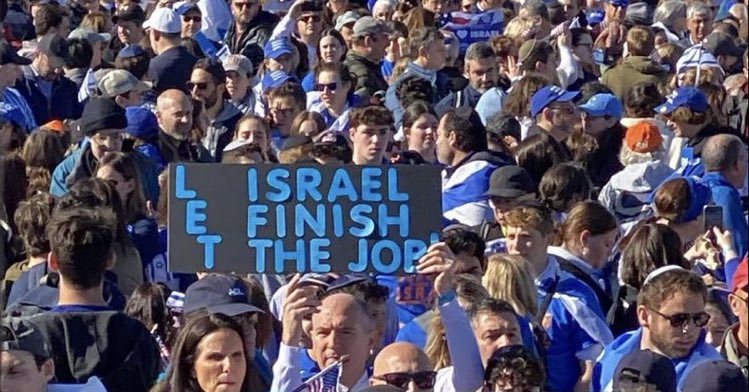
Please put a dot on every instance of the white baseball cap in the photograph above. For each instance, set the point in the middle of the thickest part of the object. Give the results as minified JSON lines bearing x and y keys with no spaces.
{"x":164,"y":20}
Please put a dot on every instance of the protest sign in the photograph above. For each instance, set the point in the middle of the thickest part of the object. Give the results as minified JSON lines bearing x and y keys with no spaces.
{"x":302,"y":218}
{"x":473,"y":27}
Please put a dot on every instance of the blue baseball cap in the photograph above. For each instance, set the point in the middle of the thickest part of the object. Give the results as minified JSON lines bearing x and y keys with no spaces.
{"x":595,"y":17}
{"x":549,"y":94}
{"x":689,"y":96}
{"x":219,"y":293}
{"x":12,"y":114}
{"x":277,"y":47}
{"x":131,"y":51}
{"x":275,"y":79}
{"x":619,"y":3}
{"x":141,"y":122}
{"x":601,"y":105}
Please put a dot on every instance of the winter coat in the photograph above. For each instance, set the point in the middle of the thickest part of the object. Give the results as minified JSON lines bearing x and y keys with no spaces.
{"x":633,"y":70}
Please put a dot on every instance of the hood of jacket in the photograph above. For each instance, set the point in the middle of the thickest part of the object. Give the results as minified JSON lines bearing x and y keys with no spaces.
{"x":641,"y":177}
{"x":494,"y":157}
{"x":644,"y":65}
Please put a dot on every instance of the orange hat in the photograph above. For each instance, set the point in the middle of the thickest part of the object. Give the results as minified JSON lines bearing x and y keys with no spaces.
{"x":643,"y":137}
{"x":54,"y":125}
{"x":741,"y":277}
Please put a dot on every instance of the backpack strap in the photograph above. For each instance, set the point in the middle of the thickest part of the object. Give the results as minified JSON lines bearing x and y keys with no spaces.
{"x":547,"y":301}
{"x":603,"y":298}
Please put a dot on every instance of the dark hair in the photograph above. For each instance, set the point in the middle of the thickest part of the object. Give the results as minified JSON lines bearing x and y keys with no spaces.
{"x":47,"y":17}
{"x":416,"y":110}
{"x":589,"y":89}
{"x":518,"y":101}
{"x":42,"y":152}
{"x":32,"y":217}
{"x":538,"y":153}
{"x":640,"y":41}
{"x":649,"y":247}
{"x":371,"y":115}
{"x":331,"y":32}
{"x":147,"y":304}
{"x":300,"y":118}
{"x":665,"y":285}
{"x":124,"y":164}
{"x":192,"y":46}
{"x":563,"y":185}
{"x":13,"y":182}
{"x":489,"y":305}
{"x":583,"y":148}
{"x":468,"y":136}
{"x":136,"y":65}
{"x":185,"y":351}
{"x":422,"y":38}
{"x":672,"y":199}
{"x":339,"y":69}
{"x":265,"y":321}
{"x":94,"y":193}
{"x":291,"y":90}
{"x":81,"y":240}
{"x":80,"y":53}
{"x":586,"y":215}
{"x":414,"y":88}
{"x":642,"y":99}
{"x":516,"y":362}
{"x":466,"y":241}
{"x":213,"y":67}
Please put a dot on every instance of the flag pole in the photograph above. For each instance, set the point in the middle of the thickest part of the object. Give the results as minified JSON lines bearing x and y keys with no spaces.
{"x":305,"y":385}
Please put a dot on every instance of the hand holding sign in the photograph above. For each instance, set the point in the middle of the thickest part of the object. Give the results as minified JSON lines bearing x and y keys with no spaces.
{"x":301,"y":301}
{"x":439,"y":261}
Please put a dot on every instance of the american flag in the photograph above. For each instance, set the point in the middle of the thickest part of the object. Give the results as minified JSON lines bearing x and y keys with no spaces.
{"x":325,"y":381}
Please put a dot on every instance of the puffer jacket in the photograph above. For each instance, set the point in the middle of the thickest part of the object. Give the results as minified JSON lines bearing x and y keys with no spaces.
{"x":633,"y":70}
{"x":368,"y":74}
{"x":251,"y":42}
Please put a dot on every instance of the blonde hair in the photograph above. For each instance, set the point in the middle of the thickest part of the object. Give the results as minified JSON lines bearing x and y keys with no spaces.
{"x":436,"y":346}
{"x":509,"y":278}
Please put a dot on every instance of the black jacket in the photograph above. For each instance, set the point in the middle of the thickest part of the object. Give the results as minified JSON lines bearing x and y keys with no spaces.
{"x":63,"y":103}
{"x":251,"y":42}
{"x":368,"y":75}
{"x":108,"y":344}
{"x":171,"y":69}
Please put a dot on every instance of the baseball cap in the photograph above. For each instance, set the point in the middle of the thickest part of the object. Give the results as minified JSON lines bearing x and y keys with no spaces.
{"x":313,"y":278}
{"x":510,"y":181}
{"x":9,"y":55}
{"x":275,"y":79}
{"x":141,"y":122}
{"x":12,"y":113}
{"x":643,"y":137}
{"x":54,"y":45}
{"x":89,"y":35}
{"x":645,"y":366}
{"x":595,"y":17}
{"x":720,"y":44}
{"x":238,"y":63}
{"x":132,"y":13}
{"x":741,"y":276}
{"x":118,"y":82}
{"x":640,"y":13}
{"x":715,"y":376}
{"x":688,"y":96}
{"x":182,"y":7}
{"x":102,"y":113}
{"x":549,"y":94}
{"x":55,"y":126}
{"x":601,"y":105}
{"x":295,"y":141}
{"x":22,"y":336}
{"x":164,"y":20}
{"x":347,"y":17}
{"x":218,"y":293}
{"x":346,"y":280}
{"x":618,"y":3}
{"x":368,"y":25}
{"x":277,"y":47}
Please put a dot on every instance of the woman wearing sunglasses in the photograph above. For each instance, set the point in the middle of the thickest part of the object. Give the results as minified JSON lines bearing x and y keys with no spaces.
{"x":334,"y":98}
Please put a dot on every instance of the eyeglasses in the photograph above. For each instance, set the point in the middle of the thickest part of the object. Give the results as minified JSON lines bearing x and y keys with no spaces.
{"x":192,"y":19}
{"x":423,"y":380}
{"x":310,"y":18}
{"x":199,"y":85}
{"x":681,"y":319}
{"x":330,"y":86}
{"x":244,"y":5}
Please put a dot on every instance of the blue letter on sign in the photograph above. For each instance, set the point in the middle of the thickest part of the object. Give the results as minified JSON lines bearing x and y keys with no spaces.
{"x":208,"y":253}
{"x":179,"y":184}
{"x":276,"y":181}
{"x":193,"y":216}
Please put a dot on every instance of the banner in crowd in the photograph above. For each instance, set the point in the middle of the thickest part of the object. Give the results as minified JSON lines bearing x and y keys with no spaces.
{"x":473,"y":27}
{"x":302,"y":218}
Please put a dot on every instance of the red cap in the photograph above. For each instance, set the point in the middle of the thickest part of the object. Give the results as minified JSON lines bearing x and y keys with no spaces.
{"x":741,"y":277}
{"x":643,"y":137}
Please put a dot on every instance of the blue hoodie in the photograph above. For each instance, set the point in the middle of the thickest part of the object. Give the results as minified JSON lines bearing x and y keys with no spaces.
{"x":603,"y":372}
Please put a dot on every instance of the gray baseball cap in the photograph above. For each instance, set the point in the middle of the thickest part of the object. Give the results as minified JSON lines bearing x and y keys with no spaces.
{"x":368,"y":26}
{"x":347,"y":17}
{"x":89,"y":35}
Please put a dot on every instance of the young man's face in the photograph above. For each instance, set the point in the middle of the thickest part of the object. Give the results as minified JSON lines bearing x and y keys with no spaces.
{"x":673,"y":341}
{"x":20,"y":373}
{"x":106,"y":141}
{"x":129,"y":32}
{"x":370,"y":143}
{"x":283,"y":110}
{"x":527,"y":242}
{"x":494,"y":331}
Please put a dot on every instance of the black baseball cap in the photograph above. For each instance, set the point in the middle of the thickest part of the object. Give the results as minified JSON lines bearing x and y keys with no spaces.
{"x":510,"y":181}
{"x":720,"y":44}
{"x":132,"y":13}
{"x":54,"y":45}
{"x":9,"y":55}
{"x":715,"y":376}
{"x":219,"y":293}
{"x":23,"y":336}
{"x":645,"y":366}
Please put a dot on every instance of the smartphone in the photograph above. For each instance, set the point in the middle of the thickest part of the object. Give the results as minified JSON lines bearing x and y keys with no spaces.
{"x":713,"y":217}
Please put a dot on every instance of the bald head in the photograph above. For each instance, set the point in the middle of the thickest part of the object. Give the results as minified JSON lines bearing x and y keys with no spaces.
{"x":344,"y":304}
{"x":174,"y":112}
{"x":401,"y":357}
{"x":722,"y":152}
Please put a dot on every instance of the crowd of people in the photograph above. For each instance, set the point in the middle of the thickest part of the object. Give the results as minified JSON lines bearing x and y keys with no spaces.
{"x":594,"y":193}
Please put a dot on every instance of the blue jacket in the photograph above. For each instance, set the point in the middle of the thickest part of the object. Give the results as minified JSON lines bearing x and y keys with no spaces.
{"x":603,"y":372}
{"x":62,"y":104}
{"x":727,"y":196}
{"x":74,"y":168}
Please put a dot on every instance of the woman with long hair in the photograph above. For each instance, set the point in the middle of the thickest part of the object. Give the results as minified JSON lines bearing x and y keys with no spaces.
{"x":334,"y":85}
{"x":420,"y":129}
{"x":42,"y":152}
{"x":331,"y":49}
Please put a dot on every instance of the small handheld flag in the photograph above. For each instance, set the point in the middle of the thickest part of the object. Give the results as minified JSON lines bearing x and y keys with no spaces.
{"x":325,"y":381}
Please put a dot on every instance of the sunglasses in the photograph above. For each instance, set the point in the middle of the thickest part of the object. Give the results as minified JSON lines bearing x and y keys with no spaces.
{"x":330,"y":86}
{"x":192,"y":19}
{"x":243,"y":5}
{"x":423,"y":380}
{"x":681,"y":319}
{"x":200,"y":86}
{"x":310,"y":18}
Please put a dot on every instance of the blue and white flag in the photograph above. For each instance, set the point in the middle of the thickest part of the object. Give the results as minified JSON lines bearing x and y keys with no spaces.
{"x":473,"y":27}
{"x":217,"y":18}
{"x":325,"y":381}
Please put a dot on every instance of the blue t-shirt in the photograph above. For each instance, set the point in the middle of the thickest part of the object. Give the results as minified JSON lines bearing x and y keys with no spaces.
{"x":79,"y":308}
